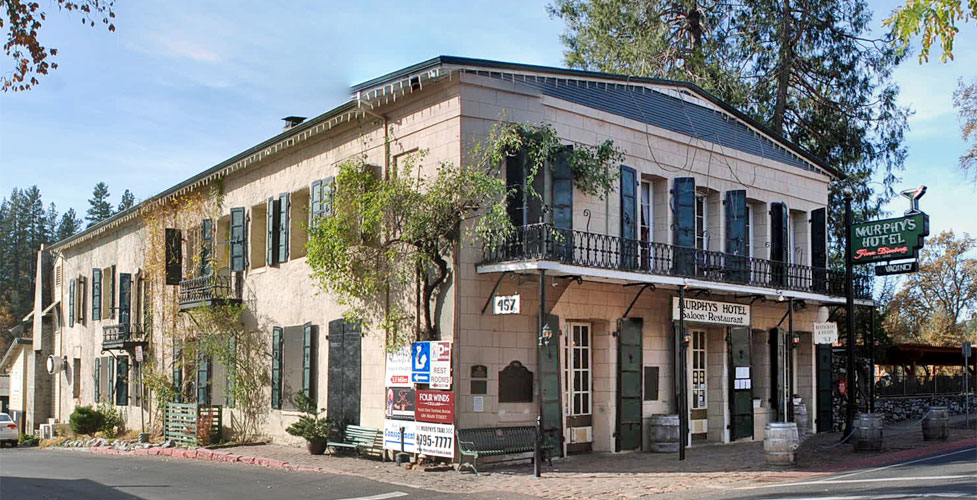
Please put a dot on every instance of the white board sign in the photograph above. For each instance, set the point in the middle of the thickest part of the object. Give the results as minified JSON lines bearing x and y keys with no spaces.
{"x":507,"y":304}
{"x":391,"y":435}
{"x":398,"y":368}
{"x":825,"y":333}
{"x":709,"y":311}
{"x":441,"y":365}
{"x":435,"y":439}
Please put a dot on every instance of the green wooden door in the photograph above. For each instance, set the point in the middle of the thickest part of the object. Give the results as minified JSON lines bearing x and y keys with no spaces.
{"x":740,"y":383}
{"x":550,"y":375}
{"x":628,"y":383}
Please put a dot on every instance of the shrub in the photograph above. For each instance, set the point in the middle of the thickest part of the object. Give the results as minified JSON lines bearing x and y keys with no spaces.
{"x":28,"y":440}
{"x":113,"y":424}
{"x":86,"y":420}
{"x":309,"y":426}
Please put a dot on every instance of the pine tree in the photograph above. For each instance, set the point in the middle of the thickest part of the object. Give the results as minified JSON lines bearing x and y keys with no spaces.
{"x":99,"y":207}
{"x":128,"y":201}
{"x":69,"y":225}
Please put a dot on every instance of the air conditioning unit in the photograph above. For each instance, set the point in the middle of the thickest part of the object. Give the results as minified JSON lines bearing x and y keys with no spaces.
{"x":56,"y":364}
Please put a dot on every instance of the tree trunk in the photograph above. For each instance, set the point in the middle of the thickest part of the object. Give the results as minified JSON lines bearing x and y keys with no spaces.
{"x":431,"y":286}
{"x":784,"y":64}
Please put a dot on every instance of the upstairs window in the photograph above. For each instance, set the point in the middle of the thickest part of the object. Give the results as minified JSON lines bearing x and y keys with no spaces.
{"x":320,"y":199}
{"x":277,"y":214}
{"x":701,"y":223}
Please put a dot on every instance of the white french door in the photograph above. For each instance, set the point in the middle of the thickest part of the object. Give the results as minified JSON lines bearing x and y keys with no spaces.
{"x":578,"y":386}
{"x":698,"y":388}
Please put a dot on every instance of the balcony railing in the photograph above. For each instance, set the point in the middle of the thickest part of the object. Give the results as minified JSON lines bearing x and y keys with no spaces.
{"x":120,"y":334}
{"x":207,"y":290}
{"x":579,"y":248}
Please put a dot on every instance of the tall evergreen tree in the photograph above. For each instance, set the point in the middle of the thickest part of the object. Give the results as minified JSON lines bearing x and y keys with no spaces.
{"x":99,"y":207}
{"x":68,"y":226}
{"x":128,"y":201}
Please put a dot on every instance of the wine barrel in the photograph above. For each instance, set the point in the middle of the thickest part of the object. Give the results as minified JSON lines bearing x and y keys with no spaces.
{"x":867,"y":435}
{"x":664,"y":433}
{"x":780,"y":442}
{"x":936,"y":423}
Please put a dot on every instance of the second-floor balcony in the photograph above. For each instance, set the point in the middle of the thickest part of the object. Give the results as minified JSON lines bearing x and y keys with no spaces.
{"x":544,"y":242}
{"x":222,"y":287}
{"x":122,"y":336}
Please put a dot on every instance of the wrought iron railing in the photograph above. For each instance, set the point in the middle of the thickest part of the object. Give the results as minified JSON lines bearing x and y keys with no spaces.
{"x":579,"y":248}
{"x":204,"y":289}
{"x":120,"y":332}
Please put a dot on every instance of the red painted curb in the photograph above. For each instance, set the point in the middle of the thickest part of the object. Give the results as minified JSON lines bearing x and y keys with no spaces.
{"x":898,"y":456}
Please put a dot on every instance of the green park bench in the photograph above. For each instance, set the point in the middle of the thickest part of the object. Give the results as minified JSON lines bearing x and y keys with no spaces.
{"x":360,"y":440}
{"x":495,"y":441}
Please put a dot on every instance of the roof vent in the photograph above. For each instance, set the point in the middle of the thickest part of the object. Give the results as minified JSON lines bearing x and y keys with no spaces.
{"x":292,"y":121}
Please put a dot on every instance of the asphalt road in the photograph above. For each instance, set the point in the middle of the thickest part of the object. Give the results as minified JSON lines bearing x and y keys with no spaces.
{"x":944,"y":475}
{"x":33,"y":474}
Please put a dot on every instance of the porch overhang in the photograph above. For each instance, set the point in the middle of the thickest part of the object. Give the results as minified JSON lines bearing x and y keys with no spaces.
{"x":624,"y":277}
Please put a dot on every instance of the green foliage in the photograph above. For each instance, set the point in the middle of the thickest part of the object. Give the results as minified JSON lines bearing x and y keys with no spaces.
{"x":29,"y":440}
{"x":99,"y":207}
{"x":965,"y":100}
{"x":86,"y":420}
{"x":933,"y":19}
{"x":128,"y":201}
{"x":310,"y":426}
{"x":112,"y":422}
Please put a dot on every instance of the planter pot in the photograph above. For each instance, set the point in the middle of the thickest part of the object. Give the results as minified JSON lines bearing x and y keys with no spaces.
{"x":316,"y":446}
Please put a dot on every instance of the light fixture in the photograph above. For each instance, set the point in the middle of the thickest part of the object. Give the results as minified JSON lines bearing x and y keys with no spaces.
{"x":780,"y":297}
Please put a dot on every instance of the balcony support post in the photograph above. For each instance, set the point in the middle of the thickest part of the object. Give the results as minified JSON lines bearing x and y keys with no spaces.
{"x":644,"y":287}
{"x":849,"y":321}
{"x":683,"y":403}
{"x":538,"y":445}
{"x":495,"y":289}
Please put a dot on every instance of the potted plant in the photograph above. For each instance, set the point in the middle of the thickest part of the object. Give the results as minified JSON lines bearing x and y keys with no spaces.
{"x":314,"y":429}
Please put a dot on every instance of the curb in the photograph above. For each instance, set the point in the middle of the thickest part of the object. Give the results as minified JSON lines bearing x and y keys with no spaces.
{"x":889,"y":458}
{"x":206,"y":455}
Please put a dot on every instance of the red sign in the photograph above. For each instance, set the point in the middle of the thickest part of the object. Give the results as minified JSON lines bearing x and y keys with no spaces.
{"x":843,"y":387}
{"x":435,"y":406}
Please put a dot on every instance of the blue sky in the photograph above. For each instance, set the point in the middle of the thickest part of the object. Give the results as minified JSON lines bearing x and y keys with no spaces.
{"x":181,"y":86}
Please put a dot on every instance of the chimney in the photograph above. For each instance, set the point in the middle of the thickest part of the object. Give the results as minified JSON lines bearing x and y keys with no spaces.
{"x":291,"y":121}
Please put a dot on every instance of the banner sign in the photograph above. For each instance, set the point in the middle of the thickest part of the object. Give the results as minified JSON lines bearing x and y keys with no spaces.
{"x":435,"y":406}
{"x":897,"y":268}
{"x":825,"y":333}
{"x":420,"y":369}
{"x":391,"y":435}
{"x":889,"y":239}
{"x":400,"y":403}
{"x":708,"y":311}
{"x":436,"y":440}
{"x":506,"y":304}
{"x":398,"y":368}
{"x":441,"y":365}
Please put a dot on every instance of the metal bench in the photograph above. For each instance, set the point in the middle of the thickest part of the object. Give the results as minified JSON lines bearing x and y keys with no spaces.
{"x":361,"y":440}
{"x":494,"y":441}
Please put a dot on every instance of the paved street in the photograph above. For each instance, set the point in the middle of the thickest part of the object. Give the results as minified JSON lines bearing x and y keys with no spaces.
{"x":33,"y":474}
{"x":944,"y":475}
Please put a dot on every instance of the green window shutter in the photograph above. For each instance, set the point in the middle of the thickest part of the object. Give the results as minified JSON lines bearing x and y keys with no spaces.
{"x":96,"y":294}
{"x":231,"y":374}
{"x":110,"y":364}
{"x":779,"y":229}
{"x":71,"y":302}
{"x":98,"y":367}
{"x":112,"y":292}
{"x":276,"y":367}
{"x":563,"y":190}
{"x":315,"y":202}
{"x":736,"y":232}
{"x":174,"y":256}
{"x":328,"y":192}
{"x":683,"y":224}
{"x":284,"y":202}
{"x":122,"y":381}
{"x":177,"y":371}
{"x":203,"y":379}
{"x":515,"y":183}
{"x":271,"y":245}
{"x":81,"y":299}
{"x":308,"y":360}
{"x":238,"y":240}
{"x":125,"y":299}
{"x":206,"y":245}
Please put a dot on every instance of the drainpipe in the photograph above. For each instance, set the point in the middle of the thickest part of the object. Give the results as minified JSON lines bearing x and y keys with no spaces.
{"x":683,"y":400}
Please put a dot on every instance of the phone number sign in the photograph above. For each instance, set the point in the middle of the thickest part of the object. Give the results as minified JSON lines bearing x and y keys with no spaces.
{"x":436,"y":440}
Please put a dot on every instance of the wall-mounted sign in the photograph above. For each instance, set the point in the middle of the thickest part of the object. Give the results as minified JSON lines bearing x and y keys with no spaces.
{"x":435,"y":406}
{"x":398,"y":368}
{"x":897,"y":268}
{"x":825,"y":333}
{"x":420,"y":363}
{"x":400,"y":403}
{"x":441,"y":365}
{"x":436,"y":440}
{"x":392,"y":435}
{"x":506,"y":304}
{"x":889,"y":239}
{"x":708,"y":311}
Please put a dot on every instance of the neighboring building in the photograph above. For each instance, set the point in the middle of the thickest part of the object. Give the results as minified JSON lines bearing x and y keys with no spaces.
{"x":17,"y":362}
{"x":5,"y":394}
{"x":708,"y":200}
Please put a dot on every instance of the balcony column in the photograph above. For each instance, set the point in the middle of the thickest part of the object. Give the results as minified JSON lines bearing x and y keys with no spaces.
{"x":538,"y":445}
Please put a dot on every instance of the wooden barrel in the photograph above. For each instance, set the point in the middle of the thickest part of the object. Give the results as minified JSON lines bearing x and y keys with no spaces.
{"x":936,"y":423}
{"x":780,"y":442}
{"x":867,"y":434}
{"x":801,"y":419}
{"x":664,"y":433}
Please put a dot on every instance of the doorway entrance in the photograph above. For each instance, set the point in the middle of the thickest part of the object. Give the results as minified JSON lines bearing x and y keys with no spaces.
{"x":698,"y":389}
{"x":578,"y":387}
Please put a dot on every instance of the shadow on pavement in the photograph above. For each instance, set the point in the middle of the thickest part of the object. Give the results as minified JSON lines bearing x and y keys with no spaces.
{"x":32,"y":488}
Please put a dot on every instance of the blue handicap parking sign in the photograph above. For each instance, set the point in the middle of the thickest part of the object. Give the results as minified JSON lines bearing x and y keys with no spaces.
{"x":420,"y":358}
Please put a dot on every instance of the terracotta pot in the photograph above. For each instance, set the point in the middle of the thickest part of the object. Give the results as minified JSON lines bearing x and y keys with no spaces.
{"x":316,"y":446}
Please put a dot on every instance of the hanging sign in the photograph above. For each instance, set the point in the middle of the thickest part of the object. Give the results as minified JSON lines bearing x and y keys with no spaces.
{"x":897,"y":268}
{"x":507,"y":304}
{"x":392,"y":435}
{"x":825,"y":333}
{"x":889,"y":239}
{"x":440,"y":365}
{"x":420,"y":365}
{"x":398,"y":368}
{"x":400,"y":403}
{"x":708,"y":311}
{"x":435,"y":406}
{"x":138,"y":354}
{"x":435,"y":439}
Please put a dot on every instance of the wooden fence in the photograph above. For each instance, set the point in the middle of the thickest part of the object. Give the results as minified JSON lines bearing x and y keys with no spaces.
{"x":190,"y":424}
